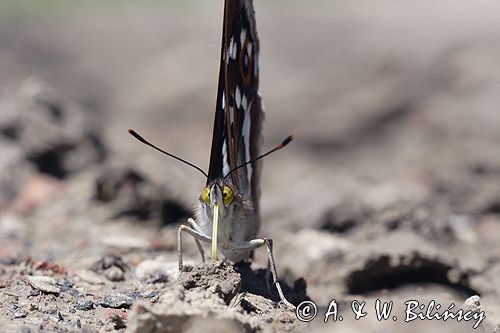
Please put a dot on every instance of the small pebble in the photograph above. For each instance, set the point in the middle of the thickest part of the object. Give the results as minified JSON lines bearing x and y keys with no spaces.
{"x":67,"y":287}
{"x":116,"y":320}
{"x":114,"y":274}
{"x":20,"y":314}
{"x":84,"y":304}
{"x":107,"y":262}
{"x":134,"y":294}
{"x":8,"y":261}
{"x":50,"y":311}
{"x":151,"y":294}
{"x":45,"y":284}
{"x":473,"y":303}
{"x":35,"y":292}
{"x":11,"y":293}
{"x":116,"y":301}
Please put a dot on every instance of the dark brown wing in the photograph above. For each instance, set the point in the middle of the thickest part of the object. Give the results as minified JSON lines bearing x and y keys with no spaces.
{"x":238,"y":115}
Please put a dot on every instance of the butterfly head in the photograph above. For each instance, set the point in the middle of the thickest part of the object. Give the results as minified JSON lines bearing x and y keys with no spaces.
{"x":223,"y":194}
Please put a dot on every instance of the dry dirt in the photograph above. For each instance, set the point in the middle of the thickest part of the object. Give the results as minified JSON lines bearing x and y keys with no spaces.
{"x":390,"y":190}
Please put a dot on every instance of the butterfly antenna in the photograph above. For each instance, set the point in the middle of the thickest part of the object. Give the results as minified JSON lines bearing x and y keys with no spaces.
{"x":278,"y":147}
{"x":141,"y":139}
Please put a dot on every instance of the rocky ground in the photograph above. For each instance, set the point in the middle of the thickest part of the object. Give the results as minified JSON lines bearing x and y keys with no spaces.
{"x":389,"y":191}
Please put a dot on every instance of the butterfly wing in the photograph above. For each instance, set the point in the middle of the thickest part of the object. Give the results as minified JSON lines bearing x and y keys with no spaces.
{"x":238,"y":115}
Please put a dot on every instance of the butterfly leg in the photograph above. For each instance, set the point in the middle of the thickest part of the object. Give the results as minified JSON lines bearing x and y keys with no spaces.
{"x":195,"y":226}
{"x":259,"y":242}
{"x":197,"y":236}
{"x":268,"y":270}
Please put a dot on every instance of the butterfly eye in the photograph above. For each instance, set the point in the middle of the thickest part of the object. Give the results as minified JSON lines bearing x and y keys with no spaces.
{"x":227,"y":195}
{"x":205,"y":195}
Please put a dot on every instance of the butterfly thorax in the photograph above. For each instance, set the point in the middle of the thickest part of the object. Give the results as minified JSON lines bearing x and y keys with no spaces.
{"x":238,"y":218}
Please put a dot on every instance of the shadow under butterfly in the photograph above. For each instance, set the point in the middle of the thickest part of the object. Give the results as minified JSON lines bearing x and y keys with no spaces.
{"x":227,"y":214}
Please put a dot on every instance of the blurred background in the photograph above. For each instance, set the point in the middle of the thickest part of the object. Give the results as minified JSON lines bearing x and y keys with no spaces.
{"x":390,"y":187}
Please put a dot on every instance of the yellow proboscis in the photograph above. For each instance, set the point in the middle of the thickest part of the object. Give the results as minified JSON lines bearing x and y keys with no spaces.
{"x":214,"y":231}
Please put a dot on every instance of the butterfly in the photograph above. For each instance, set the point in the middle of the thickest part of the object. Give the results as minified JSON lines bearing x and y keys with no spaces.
{"x":227,"y":211}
